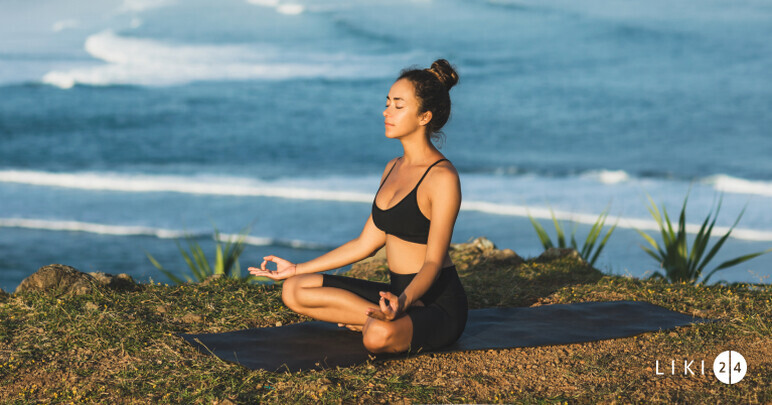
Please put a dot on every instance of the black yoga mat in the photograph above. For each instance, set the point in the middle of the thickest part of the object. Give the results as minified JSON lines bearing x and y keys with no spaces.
{"x":319,"y":345}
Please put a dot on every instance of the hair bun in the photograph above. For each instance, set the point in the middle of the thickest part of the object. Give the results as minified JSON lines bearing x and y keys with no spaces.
{"x":445,"y":73}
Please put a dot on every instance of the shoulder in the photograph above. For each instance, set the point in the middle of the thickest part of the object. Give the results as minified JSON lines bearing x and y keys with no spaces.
{"x":444,"y":171}
{"x":443,"y":178}
{"x":390,"y":164}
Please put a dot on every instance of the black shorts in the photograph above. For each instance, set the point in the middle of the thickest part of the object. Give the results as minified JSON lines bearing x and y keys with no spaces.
{"x":439,"y":323}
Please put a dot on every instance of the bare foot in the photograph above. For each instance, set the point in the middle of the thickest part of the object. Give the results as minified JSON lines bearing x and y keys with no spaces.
{"x":355,"y":328}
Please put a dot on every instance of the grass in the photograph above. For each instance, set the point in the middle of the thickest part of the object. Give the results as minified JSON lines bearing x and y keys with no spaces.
{"x":226,"y":260}
{"x":679,"y":263}
{"x":589,"y":250}
{"x":120,"y":347}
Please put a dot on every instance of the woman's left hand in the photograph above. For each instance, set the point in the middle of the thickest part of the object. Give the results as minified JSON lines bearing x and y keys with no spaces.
{"x":390,"y":311}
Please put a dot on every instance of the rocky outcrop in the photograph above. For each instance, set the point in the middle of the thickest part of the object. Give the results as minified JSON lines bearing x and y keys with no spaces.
{"x":121,"y":282}
{"x":463,"y":255}
{"x":559,"y":253}
{"x":488,"y":251}
{"x":482,"y":243}
{"x":60,"y":279}
{"x":68,"y":280}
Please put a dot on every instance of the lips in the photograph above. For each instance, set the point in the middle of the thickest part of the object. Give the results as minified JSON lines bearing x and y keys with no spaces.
{"x":388,"y":124}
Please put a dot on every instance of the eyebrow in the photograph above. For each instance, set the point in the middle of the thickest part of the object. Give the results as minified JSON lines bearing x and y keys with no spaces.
{"x":395,"y":98}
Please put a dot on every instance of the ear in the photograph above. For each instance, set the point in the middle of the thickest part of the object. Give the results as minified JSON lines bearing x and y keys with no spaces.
{"x":426,"y":118}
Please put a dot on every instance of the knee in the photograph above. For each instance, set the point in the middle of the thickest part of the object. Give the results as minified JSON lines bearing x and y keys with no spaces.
{"x":378,"y":336}
{"x":289,"y":292}
{"x":292,"y":289}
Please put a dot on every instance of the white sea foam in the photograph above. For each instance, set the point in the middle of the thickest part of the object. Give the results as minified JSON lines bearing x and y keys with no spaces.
{"x":590,"y":219}
{"x":129,"y":230}
{"x":90,"y":227}
{"x":608,"y":176}
{"x":64,"y":25}
{"x":264,"y":3}
{"x":280,"y":7}
{"x":729,"y":184}
{"x":176,"y":184}
{"x":143,"y":5}
{"x":254,"y":188}
{"x":290,"y":9}
{"x":147,"y":62}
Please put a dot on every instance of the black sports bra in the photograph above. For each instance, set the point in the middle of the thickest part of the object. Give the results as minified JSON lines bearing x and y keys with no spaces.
{"x":404,"y":220}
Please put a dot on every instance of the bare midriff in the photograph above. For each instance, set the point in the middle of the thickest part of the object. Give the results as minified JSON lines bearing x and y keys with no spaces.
{"x":407,"y":257}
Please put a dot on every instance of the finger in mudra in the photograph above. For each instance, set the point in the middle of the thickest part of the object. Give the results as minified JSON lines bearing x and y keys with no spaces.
{"x":284,"y":268}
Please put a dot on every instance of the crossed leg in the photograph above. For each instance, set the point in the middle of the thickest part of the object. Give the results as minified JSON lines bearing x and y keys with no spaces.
{"x":304,"y":294}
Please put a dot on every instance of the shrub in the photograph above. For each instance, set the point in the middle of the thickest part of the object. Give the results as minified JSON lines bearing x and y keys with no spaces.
{"x":226,"y":258}
{"x":589,"y":251}
{"x":679,"y":263}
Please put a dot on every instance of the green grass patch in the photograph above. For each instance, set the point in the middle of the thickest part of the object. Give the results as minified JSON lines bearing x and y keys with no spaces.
{"x":121,"y":347}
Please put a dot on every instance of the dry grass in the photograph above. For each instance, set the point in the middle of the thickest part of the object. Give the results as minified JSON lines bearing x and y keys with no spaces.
{"x":111,"y":347}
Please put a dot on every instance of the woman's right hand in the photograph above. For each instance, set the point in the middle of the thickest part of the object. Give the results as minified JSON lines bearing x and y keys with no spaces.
{"x":284,"y":268}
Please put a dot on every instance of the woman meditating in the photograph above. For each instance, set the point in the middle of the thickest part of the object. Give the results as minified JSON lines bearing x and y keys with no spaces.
{"x":424,"y":307}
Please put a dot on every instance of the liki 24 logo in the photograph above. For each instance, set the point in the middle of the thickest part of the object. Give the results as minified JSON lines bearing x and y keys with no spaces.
{"x":729,"y":367}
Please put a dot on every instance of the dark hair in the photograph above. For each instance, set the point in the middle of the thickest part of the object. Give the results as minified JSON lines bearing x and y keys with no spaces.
{"x":431,"y":88}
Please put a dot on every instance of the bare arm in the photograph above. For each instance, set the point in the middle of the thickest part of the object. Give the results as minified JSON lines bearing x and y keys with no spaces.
{"x":445,"y":197}
{"x":369,"y":241}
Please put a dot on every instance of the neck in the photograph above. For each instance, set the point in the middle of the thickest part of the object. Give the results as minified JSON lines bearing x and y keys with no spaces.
{"x":418,"y":149}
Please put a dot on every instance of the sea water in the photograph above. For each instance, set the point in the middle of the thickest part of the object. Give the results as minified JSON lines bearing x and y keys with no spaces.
{"x":125,"y":125}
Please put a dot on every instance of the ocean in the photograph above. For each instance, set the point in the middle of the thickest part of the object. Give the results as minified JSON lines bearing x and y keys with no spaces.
{"x":125,"y":125}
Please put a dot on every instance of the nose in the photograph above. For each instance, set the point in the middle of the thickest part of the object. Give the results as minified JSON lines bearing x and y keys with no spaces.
{"x":385,"y":111}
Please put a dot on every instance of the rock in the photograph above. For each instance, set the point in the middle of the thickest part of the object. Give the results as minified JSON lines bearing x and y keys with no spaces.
{"x":508,"y":255}
{"x":3,"y":294}
{"x":90,"y":306}
{"x":558,"y":253}
{"x":121,"y":282}
{"x":483,"y":243}
{"x":480,"y":249}
{"x":60,"y":278}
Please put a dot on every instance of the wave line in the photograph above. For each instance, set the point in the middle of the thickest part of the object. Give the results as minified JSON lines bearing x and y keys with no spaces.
{"x":590,"y":219}
{"x":177,"y":184}
{"x":147,"y":184}
{"x":160,"y":233}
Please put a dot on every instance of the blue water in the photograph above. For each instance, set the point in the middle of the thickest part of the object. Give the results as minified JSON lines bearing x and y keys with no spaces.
{"x":124,"y":124}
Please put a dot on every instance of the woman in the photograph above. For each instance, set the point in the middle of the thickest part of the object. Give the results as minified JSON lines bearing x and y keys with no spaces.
{"x":424,"y":307}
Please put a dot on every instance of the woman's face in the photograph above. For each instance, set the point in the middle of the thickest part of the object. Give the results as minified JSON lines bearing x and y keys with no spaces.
{"x":401,"y":116}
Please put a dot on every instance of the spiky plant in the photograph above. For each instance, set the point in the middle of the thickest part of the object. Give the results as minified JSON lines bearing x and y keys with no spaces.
{"x":589,"y":251}
{"x":226,"y":260}
{"x":680,"y":264}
